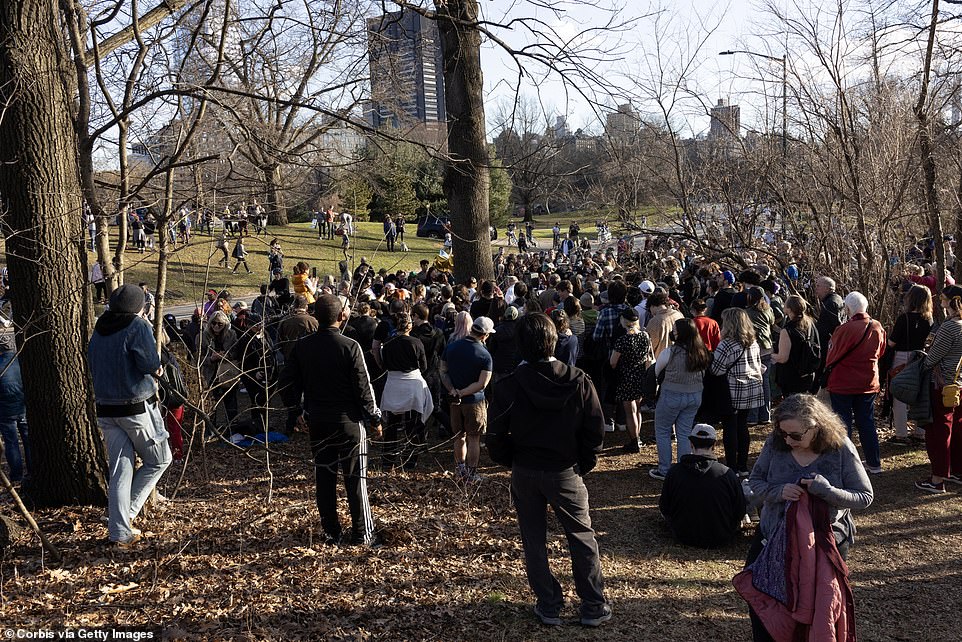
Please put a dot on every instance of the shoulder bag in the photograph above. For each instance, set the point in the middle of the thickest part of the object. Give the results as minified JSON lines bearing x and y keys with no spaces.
{"x":716,"y":396}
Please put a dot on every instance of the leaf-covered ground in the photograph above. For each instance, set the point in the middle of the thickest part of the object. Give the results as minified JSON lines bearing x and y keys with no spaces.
{"x":223,"y":562}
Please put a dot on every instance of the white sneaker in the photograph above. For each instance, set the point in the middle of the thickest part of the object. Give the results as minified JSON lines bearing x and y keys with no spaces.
{"x":610,"y":426}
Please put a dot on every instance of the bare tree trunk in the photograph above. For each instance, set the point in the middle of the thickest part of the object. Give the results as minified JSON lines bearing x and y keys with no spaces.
{"x":928,"y":160}
{"x":528,"y":212}
{"x":466,"y":180}
{"x":276,"y":209}
{"x":958,"y":216}
{"x":46,"y":255}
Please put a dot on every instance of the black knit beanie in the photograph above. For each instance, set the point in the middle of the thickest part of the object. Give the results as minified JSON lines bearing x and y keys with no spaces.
{"x":127,"y":299}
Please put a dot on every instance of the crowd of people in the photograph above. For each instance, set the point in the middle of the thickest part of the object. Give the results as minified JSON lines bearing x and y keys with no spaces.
{"x":539,"y":363}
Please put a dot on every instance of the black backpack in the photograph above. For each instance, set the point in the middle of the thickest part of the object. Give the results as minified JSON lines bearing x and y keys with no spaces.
{"x":810,"y":357}
{"x":172,"y":390}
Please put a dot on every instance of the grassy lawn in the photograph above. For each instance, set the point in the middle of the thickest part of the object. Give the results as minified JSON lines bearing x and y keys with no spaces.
{"x":193,"y":268}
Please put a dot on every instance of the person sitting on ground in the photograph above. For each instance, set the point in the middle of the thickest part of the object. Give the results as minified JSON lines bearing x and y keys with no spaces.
{"x":702,"y":499}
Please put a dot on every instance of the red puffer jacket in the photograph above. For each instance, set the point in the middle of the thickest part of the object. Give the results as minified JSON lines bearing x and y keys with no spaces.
{"x":820,"y":606}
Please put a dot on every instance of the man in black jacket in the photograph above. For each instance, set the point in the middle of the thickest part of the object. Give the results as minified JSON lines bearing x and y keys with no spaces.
{"x":702,"y":499}
{"x":546,"y":423}
{"x":434,"y":343}
{"x":503,"y":346}
{"x":830,"y":306}
{"x":726,"y":292}
{"x":327,"y":370}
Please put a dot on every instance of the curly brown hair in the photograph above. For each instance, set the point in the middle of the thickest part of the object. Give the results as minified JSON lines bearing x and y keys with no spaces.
{"x":814,"y":415}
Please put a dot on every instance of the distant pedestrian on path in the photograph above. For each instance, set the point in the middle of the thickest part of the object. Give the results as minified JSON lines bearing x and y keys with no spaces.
{"x":240,"y":254}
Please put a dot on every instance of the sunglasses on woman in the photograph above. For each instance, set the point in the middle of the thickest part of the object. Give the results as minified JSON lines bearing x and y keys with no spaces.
{"x":795,"y":436}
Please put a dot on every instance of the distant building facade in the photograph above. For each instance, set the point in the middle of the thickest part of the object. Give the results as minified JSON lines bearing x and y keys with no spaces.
{"x":624,"y":123}
{"x":725,"y":120}
{"x":407,"y":82}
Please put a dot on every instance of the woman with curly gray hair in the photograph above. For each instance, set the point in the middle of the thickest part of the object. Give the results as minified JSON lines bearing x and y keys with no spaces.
{"x":807,"y":452}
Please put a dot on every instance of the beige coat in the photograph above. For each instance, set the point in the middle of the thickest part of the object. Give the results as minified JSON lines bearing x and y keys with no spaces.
{"x":662,"y":322}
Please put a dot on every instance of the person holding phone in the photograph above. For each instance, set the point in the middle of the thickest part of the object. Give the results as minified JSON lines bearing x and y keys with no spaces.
{"x":807,"y":452}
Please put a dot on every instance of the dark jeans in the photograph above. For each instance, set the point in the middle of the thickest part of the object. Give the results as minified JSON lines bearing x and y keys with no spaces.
{"x":533,"y":491}
{"x":403,"y":438}
{"x":736,"y":439}
{"x":258,"y":396}
{"x":863,"y":409}
{"x":759,"y":633}
{"x":13,"y":430}
{"x":228,"y":396}
{"x":344,"y":446}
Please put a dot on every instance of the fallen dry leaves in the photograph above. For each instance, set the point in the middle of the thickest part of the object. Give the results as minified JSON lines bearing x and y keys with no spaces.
{"x":220,"y":563}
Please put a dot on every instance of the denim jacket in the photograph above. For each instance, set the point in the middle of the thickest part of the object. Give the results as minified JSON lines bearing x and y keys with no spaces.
{"x":122,"y":363}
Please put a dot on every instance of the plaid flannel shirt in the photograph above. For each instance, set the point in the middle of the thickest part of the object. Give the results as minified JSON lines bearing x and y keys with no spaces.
{"x":608,"y":320}
{"x":745,"y":375}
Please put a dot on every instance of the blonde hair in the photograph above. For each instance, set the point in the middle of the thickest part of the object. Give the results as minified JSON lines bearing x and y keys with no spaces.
{"x":631,"y":327}
{"x":462,"y":325}
{"x":737,"y":325}
{"x":813,"y":415}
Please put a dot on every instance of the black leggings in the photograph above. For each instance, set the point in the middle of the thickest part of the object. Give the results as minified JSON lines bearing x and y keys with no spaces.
{"x":736,"y":439}
{"x":759,"y":633}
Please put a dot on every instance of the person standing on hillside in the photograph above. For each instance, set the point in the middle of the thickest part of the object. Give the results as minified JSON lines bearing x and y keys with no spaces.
{"x":466,"y":369}
{"x":548,"y":427}
{"x":829,"y":310}
{"x":338,"y":401}
{"x":123,"y":358}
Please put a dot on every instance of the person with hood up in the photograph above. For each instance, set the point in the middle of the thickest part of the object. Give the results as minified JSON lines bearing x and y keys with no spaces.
{"x":548,"y":427}
{"x":702,"y":499}
{"x":123,"y":358}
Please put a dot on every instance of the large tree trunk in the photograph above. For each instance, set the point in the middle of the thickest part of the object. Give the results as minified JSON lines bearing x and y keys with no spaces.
{"x":466,"y":179}
{"x":927,"y":154}
{"x":958,"y":215}
{"x":46,"y":256}
{"x":276,"y":209}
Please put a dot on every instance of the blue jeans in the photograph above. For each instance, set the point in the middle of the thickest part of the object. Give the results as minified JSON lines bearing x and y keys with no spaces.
{"x":14,"y":430}
{"x":862,"y":407}
{"x":763,"y":414}
{"x":144,"y":435}
{"x":676,"y":409}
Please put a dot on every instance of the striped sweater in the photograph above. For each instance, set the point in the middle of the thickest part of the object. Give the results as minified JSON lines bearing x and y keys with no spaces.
{"x":946,"y":350}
